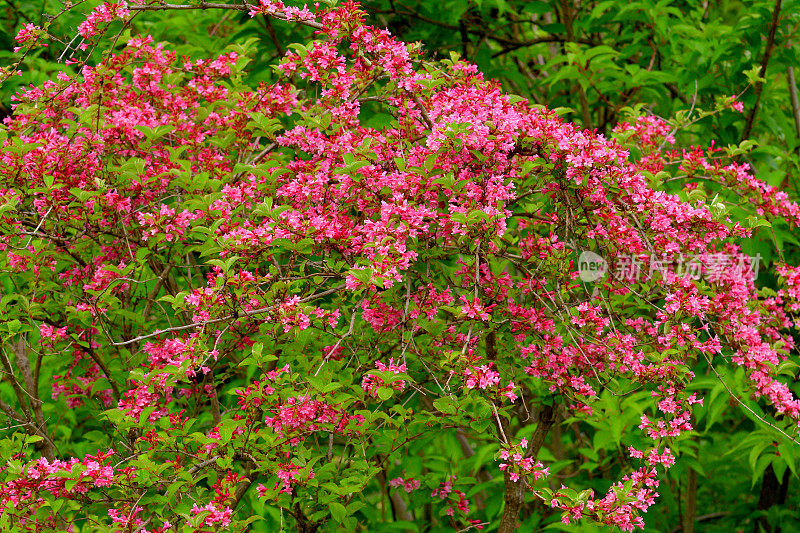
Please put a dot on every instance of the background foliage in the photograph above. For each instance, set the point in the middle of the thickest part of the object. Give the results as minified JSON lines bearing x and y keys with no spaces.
{"x":597,"y":61}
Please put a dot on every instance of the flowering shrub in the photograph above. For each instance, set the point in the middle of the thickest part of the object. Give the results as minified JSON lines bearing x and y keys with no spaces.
{"x":229,"y":304}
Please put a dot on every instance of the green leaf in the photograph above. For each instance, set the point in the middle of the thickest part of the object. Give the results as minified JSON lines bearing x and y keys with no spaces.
{"x":226,"y":429}
{"x":338,"y":511}
{"x":754,"y":75}
{"x":446,"y":405}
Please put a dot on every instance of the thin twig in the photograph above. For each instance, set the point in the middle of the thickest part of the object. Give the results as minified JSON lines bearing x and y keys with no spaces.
{"x":793,"y":94}
{"x":223,"y":319}
{"x":751,"y":116}
{"x":747,"y":407}
{"x":424,"y":112}
{"x":499,"y":424}
{"x":212,"y":5}
{"x":201,"y":5}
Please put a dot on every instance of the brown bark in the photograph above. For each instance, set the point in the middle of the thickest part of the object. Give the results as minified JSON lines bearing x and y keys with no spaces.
{"x":773,"y":492}
{"x":514,"y":491}
{"x":751,"y":116}
{"x":514,"y":495}
{"x":304,"y":525}
{"x":32,"y":415}
{"x":567,"y":17}
{"x":691,"y":502}
{"x":689,"y":517}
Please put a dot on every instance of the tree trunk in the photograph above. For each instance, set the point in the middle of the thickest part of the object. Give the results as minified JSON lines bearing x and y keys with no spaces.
{"x":773,"y":492}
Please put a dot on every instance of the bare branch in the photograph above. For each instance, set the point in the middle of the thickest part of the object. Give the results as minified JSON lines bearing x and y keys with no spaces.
{"x":213,"y":5}
{"x":223,"y":319}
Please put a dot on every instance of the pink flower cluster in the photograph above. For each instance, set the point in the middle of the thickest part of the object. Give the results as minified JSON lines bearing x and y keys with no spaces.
{"x":446,"y":491}
{"x":127,"y":518}
{"x":300,"y":416}
{"x":289,"y":475}
{"x":409,"y":484}
{"x":791,"y":294}
{"x":277,"y":9}
{"x":167,"y":221}
{"x":73,"y":479}
{"x":210,"y":516}
{"x":619,"y":507}
{"x":519,"y":464}
{"x":485,"y":377}
{"x":651,"y":131}
{"x":734,"y":103}
{"x":52,"y":333}
{"x":371,"y":383}
{"x":106,"y":12}
{"x":29,"y":35}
